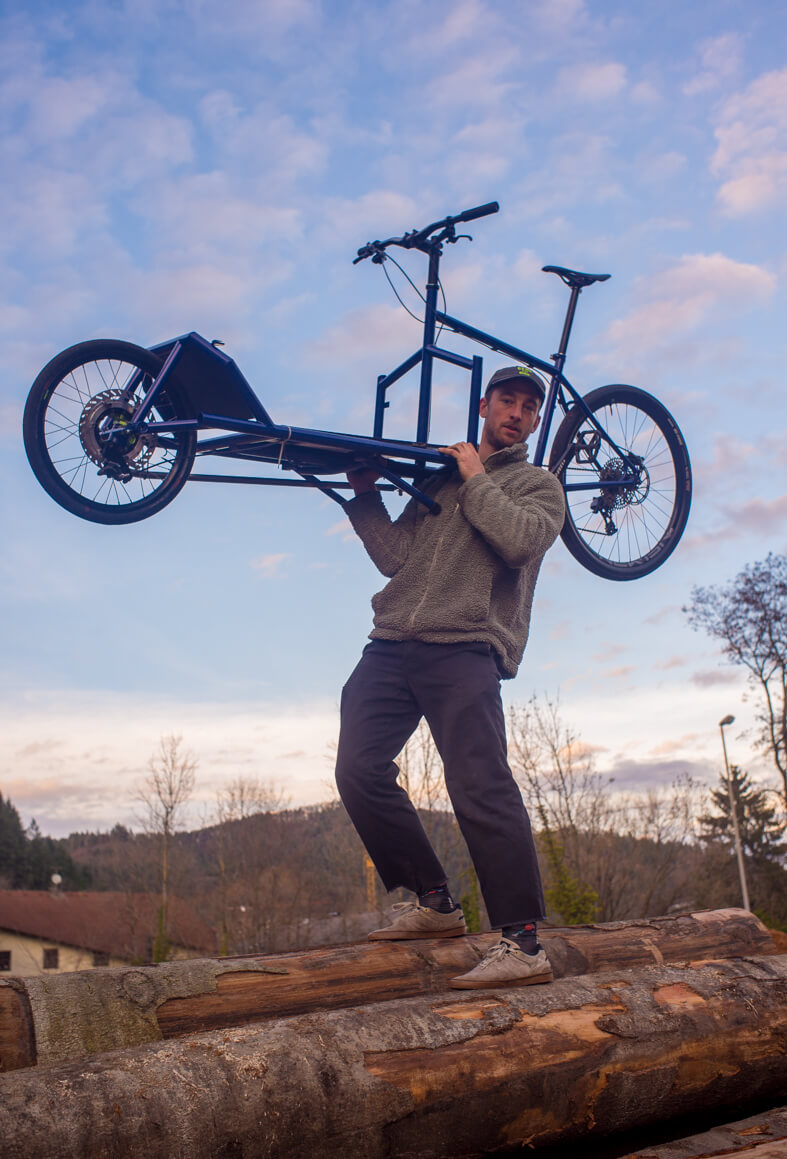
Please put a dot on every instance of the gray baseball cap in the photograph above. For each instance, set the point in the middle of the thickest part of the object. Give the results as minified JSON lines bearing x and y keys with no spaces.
{"x":522,"y":375}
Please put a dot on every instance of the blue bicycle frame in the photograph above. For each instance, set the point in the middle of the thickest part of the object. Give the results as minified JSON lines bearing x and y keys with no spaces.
{"x":220,"y":398}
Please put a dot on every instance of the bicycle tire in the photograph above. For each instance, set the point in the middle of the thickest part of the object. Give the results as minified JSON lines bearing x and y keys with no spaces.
{"x":83,"y":387}
{"x":648,"y":519}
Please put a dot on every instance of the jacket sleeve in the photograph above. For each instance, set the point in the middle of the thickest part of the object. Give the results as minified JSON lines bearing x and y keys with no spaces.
{"x":518,"y":528}
{"x":387,"y":541}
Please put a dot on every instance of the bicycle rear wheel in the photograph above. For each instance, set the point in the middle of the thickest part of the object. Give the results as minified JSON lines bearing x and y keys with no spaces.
{"x":74,"y":441}
{"x":622,"y":532}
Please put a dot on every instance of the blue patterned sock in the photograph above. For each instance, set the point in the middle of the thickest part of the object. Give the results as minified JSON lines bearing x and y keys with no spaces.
{"x":525,"y":934}
{"x":438,"y":899}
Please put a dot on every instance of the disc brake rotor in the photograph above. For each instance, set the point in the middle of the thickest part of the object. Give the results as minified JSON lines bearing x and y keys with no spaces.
{"x":105,"y":413}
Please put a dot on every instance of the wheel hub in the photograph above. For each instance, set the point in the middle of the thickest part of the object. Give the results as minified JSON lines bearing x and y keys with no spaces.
{"x":114,"y":450}
{"x":630,"y":494}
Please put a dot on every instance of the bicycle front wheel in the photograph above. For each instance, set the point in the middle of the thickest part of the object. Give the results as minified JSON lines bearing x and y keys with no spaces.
{"x":74,"y":439}
{"x":633,"y":520}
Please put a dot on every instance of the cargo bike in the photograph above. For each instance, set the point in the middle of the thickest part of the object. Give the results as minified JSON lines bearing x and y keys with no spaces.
{"x":113,"y":430}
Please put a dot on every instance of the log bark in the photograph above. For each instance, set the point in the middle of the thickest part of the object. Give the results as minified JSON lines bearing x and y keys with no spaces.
{"x":761,"y":1136}
{"x":71,"y":1016}
{"x":442,"y":1075}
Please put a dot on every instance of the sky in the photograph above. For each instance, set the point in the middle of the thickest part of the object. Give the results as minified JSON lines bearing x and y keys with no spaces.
{"x":178,"y":165}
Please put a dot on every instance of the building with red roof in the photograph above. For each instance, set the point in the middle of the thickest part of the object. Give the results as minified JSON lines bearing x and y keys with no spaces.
{"x":43,"y":931}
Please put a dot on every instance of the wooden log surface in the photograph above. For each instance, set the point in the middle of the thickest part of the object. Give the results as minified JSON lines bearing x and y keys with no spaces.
{"x":761,"y":1136}
{"x":452,"y":1074}
{"x":71,"y":1016}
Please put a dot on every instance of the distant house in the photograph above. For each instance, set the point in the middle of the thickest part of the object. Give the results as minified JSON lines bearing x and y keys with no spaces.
{"x":52,"y":931}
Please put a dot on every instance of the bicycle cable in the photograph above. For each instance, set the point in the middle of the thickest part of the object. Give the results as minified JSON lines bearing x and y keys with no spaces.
{"x":396,"y":292}
{"x":418,"y":292}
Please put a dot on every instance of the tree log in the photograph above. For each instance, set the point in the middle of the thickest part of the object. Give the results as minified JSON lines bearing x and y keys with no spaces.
{"x":440,"y":1075}
{"x":759,"y":1137}
{"x":62,"y":1017}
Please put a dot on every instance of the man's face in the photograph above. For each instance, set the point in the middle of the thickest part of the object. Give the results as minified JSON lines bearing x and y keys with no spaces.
{"x":510,"y":415}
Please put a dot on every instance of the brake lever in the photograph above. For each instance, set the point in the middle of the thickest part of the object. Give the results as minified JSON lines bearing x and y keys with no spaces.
{"x":370,"y":250}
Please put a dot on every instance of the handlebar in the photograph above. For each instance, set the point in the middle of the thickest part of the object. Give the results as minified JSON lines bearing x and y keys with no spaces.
{"x":479,"y":211}
{"x":421,"y":238}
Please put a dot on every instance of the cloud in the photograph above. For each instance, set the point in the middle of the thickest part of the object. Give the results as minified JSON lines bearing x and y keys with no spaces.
{"x":204,"y":213}
{"x":672,"y":662}
{"x":349,"y":221}
{"x":561,"y":18}
{"x":365,"y":337}
{"x":753,"y":517}
{"x":478,"y":82}
{"x":730,"y":455}
{"x":645,"y":93}
{"x":681,"y":298}
{"x":592,"y":82}
{"x":709,"y":679}
{"x":344,"y":529}
{"x":688,"y":740}
{"x":262,"y":140}
{"x":642,"y":774}
{"x":720,"y":59}
{"x":751,"y":154}
{"x":269,"y":566}
{"x":464,"y":21}
{"x":609,"y":652}
{"x":562,"y":630}
{"x":37,"y":748}
{"x":286,"y":742}
{"x":662,"y":167}
{"x":580,"y":168}
{"x":665,"y":613}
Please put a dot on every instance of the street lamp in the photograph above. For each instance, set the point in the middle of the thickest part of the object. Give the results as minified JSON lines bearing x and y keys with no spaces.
{"x":734,"y":814}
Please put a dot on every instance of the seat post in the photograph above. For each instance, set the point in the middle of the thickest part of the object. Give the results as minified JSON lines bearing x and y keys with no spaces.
{"x":560,"y":358}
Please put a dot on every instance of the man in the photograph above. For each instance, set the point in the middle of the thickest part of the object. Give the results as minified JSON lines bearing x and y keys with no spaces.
{"x":452,"y":621}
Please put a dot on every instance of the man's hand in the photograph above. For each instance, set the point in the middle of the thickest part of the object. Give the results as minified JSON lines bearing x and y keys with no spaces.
{"x":467,"y":459}
{"x":362,"y":480}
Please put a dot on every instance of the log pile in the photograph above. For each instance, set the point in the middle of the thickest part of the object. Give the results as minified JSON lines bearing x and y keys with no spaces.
{"x":361,"y":1050}
{"x":758,"y":1137}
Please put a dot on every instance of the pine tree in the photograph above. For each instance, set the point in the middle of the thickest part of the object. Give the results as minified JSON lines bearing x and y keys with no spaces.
{"x":762,"y":832}
{"x":761,"y":827}
{"x":13,"y":847}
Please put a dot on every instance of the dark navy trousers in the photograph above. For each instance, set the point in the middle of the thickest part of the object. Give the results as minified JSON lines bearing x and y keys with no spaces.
{"x":456,"y":687}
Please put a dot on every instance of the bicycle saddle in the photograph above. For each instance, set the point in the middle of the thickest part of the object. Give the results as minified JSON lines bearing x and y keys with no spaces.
{"x":574,"y":277}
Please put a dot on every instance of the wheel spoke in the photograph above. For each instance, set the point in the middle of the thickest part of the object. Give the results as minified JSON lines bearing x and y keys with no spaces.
{"x":67,"y":442}
{"x":642,"y":513}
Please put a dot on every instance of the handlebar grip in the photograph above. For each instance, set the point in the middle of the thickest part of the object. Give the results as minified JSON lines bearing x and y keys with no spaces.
{"x":479,"y":211}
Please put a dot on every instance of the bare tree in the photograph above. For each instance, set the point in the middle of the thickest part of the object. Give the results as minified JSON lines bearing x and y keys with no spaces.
{"x":422,"y":775}
{"x":749,"y":617}
{"x":607,"y":854}
{"x":421,"y":771}
{"x":245,"y":796}
{"x":164,"y":794}
{"x":241,"y":854}
{"x":658,"y":830}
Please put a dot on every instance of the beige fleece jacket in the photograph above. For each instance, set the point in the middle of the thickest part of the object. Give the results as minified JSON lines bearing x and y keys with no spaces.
{"x":469,"y":572}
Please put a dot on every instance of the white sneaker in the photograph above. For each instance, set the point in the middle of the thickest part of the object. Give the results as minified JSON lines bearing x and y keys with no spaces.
{"x":419,"y":921}
{"x":505,"y":965}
